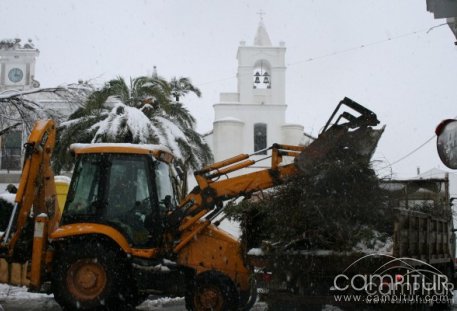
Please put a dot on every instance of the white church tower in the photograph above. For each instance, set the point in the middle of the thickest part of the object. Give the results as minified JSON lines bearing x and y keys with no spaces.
{"x":253,"y":118}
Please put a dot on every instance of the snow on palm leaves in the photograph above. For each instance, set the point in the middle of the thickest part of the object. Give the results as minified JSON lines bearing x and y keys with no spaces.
{"x":124,"y":124}
{"x":129,"y":124}
{"x":142,"y":113}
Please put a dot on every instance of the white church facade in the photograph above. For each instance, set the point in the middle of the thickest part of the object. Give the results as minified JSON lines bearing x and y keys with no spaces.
{"x":254,"y":117}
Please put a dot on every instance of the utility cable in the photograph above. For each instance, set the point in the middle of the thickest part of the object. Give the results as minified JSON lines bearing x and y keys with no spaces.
{"x":411,"y":152}
{"x":358,"y":47}
{"x":362,"y":46}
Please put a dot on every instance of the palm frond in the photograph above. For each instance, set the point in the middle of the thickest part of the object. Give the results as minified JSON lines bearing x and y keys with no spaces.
{"x":139,"y":113}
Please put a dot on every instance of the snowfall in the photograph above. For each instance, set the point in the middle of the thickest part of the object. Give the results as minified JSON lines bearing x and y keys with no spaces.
{"x":18,"y":298}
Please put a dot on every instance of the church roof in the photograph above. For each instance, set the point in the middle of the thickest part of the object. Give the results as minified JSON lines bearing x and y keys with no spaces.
{"x":261,"y":37}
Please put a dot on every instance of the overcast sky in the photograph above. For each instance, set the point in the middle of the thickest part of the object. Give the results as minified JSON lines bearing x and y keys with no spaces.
{"x":334,"y":49}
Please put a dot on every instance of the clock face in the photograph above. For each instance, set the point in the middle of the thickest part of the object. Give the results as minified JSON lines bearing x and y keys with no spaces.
{"x":15,"y":75}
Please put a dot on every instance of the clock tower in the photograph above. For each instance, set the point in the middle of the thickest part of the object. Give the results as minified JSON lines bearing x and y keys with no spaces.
{"x":17,"y":65}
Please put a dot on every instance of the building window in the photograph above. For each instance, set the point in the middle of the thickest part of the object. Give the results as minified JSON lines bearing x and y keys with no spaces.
{"x":11,"y":151}
{"x":260,"y":137}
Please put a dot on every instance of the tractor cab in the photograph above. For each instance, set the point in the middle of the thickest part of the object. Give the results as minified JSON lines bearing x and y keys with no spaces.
{"x":124,"y":186}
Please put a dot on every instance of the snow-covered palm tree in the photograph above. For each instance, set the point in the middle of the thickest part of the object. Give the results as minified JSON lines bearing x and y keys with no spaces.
{"x":141,"y":112}
{"x":182,"y":86}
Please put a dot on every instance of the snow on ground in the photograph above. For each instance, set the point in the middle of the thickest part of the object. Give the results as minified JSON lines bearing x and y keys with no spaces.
{"x":18,"y":293}
{"x":163,"y":302}
{"x":8,"y":197}
{"x":3,"y":188}
{"x":17,"y":299}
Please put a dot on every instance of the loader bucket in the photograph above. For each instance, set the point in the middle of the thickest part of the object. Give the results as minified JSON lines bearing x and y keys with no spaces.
{"x":356,"y":137}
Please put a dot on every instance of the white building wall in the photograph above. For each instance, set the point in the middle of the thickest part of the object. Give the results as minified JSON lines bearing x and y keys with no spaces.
{"x":272,"y":115}
{"x":237,"y":112}
{"x":228,"y":138}
{"x":291,"y":134}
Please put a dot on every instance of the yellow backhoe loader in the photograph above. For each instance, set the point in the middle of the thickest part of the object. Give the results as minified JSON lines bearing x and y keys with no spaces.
{"x":123,"y":235}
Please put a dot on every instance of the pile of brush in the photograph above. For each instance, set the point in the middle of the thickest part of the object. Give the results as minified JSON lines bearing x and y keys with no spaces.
{"x":334,"y":205}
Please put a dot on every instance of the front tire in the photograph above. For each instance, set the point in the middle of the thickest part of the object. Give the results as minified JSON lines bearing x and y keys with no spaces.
{"x":88,"y":276}
{"x":212,"y":290}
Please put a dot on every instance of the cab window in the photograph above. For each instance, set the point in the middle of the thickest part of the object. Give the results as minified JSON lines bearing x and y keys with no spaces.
{"x":129,"y":200}
{"x":165,"y":189}
{"x":84,"y":189}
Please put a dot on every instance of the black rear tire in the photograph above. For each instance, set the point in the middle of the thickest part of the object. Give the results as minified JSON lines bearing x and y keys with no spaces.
{"x":212,"y":290}
{"x":88,"y":276}
{"x":6,"y":209}
{"x":248,"y":298}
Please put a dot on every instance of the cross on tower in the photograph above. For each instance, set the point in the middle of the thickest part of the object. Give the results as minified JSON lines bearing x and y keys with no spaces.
{"x":261,"y":13}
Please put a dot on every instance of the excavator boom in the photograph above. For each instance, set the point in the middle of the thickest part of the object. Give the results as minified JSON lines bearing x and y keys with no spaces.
{"x":36,"y":192}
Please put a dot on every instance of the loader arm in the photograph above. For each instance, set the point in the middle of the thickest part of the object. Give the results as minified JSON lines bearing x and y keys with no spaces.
{"x":213,"y":190}
{"x":36,"y":192}
{"x":215,"y":186}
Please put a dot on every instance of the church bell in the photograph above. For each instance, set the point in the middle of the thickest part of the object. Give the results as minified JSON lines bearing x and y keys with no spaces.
{"x":266,"y":80}
{"x":257,"y":77}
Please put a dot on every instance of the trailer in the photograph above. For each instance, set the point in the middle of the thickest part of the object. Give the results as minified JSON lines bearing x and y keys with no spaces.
{"x":420,"y":252}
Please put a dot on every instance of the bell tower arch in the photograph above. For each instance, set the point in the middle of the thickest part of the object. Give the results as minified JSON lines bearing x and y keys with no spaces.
{"x":261,"y":70}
